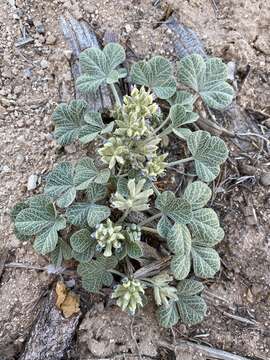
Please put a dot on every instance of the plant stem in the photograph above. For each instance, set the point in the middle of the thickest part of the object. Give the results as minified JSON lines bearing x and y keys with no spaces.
{"x":179,"y":161}
{"x":122,"y":218}
{"x":115,"y":94}
{"x":117,"y":273}
{"x":157,"y":192}
{"x":161,"y":125}
{"x":149,"y":220}
{"x":149,"y":229}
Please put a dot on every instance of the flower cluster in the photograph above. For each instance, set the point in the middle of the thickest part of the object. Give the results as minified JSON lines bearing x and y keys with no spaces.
{"x":129,"y":295}
{"x":133,"y":142}
{"x":109,"y":236}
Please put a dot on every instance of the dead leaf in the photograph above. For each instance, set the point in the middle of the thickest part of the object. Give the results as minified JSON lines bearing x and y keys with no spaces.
{"x":71,"y":305}
{"x":61,"y":292}
{"x":67,"y":301}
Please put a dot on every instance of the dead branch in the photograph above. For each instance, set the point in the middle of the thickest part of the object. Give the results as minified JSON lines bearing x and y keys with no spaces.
{"x":193,"y":348}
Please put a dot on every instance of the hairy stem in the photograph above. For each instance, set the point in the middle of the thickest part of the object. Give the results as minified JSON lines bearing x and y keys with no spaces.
{"x":115,"y":94}
{"x":117,"y":273}
{"x":179,"y":161}
{"x":122,"y":218}
{"x":149,"y":220}
{"x":161,"y":125}
{"x":157,"y":192}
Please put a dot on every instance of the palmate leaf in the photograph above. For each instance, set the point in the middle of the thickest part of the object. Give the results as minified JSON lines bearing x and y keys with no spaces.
{"x":207,"y":78}
{"x":184,"y":98}
{"x":168,"y":315}
{"x":68,"y":120}
{"x":190,"y":308}
{"x":156,"y":74}
{"x":41,"y":219}
{"x":99,"y":66}
{"x":96,"y":273}
{"x":209,"y":152}
{"x":62,"y":252}
{"x":86,"y":173}
{"x":181,"y":116}
{"x":164,"y":226}
{"x":60,"y":185}
{"x":206,"y":261}
{"x":81,"y":241}
{"x":198,"y":194}
{"x":179,"y":242}
{"x":96,"y":192}
{"x":85,"y":213}
{"x":93,"y":126}
{"x":205,"y":227}
{"x":178,"y":210}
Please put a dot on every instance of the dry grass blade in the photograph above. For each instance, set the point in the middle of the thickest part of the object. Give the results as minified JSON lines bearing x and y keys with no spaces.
{"x":153,"y":268}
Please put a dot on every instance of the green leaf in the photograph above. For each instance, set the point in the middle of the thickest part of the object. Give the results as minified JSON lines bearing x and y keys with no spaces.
{"x":96,"y":273}
{"x":86,"y":173}
{"x":191,"y":309}
{"x":81,"y":241}
{"x":180,"y":116}
{"x":93,"y":126}
{"x":62,"y":252}
{"x":134,"y":250}
{"x":208,"y":79}
{"x":168,"y":316}
{"x":68,"y":120}
{"x":208,"y":153}
{"x":156,"y":74}
{"x":96,"y":192}
{"x":179,"y":239}
{"x":164,"y":226}
{"x":85,"y":256}
{"x":60,"y":185}
{"x":205,"y":227}
{"x":41,"y":219}
{"x":198,"y":194}
{"x":182,"y":133}
{"x":83,"y":213}
{"x":206,"y":261}
{"x":180,"y":265}
{"x":183,"y":98}
{"x":189,"y":287}
{"x":100,"y":66}
{"x":179,"y":210}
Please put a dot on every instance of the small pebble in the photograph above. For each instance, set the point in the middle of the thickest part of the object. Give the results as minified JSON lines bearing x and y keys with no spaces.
{"x":44,"y":64}
{"x":40,"y":28}
{"x":51,"y":39}
{"x":265,"y":179}
{"x":32,"y":182}
{"x":70,"y":149}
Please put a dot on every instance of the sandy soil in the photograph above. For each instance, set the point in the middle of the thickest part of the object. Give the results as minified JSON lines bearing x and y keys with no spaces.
{"x":35,"y":77}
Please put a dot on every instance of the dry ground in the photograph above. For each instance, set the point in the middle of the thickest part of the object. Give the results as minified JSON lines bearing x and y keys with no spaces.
{"x":35,"y":77}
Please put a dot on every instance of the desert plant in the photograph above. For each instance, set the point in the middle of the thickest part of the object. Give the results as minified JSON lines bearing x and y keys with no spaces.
{"x":102,"y":211}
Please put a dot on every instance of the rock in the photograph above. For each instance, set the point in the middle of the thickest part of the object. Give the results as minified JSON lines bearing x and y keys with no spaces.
{"x":44,"y":64}
{"x":32,"y":182}
{"x":265,"y":179}
{"x":70,"y":149}
{"x":5,"y":169}
{"x":18,"y":89}
{"x":28,"y":73}
{"x":19,"y":160}
{"x":40,"y":28}
{"x":51,"y":39}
